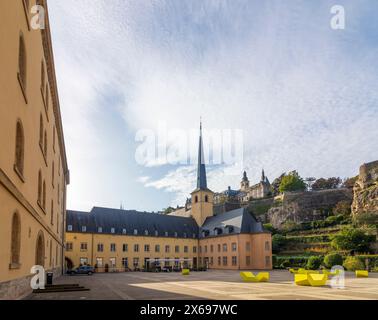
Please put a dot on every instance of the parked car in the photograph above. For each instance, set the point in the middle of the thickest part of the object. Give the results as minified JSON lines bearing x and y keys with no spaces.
{"x":82,"y":270}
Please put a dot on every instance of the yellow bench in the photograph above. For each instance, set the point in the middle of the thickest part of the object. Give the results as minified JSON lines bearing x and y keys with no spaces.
{"x":250,"y":277}
{"x":310,"y":279}
{"x":362,"y":273}
{"x":185,"y":272}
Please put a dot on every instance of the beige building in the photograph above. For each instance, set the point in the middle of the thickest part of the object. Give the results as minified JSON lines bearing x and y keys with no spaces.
{"x":117,"y":239}
{"x":33,"y":166}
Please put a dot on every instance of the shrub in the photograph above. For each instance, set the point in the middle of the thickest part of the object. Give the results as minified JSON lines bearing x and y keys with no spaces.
{"x":269,"y":227}
{"x":314,"y":262}
{"x":352,"y":239}
{"x":353,"y":263}
{"x":333,"y":259}
{"x":278,"y":242}
{"x":285,"y":264}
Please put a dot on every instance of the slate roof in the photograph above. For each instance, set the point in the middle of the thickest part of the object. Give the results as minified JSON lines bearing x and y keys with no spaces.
{"x":231,"y":222}
{"x":107,"y":218}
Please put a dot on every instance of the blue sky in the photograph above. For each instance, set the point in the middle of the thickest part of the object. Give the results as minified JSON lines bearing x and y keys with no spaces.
{"x":303,"y":95}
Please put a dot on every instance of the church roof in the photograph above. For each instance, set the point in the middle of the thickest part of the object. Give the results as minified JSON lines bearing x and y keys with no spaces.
{"x":231,"y":222}
{"x":131,"y":220}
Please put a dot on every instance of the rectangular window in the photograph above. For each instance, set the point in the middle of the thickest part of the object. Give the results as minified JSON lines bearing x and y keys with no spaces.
{"x":225,"y":261}
{"x":99,"y":262}
{"x":200,"y":249}
{"x":83,"y":261}
{"x":125,"y":247}
{"x":83,"y":246}
{"x":194,"y":249}
{"x":234,"y":260}
{"x":248,"y":260}
{"x":233,"y":246}
{"x":211,"y":248}
{"x":112,"y":262}
{"x":100,"y":247}
{"x":224,"y":247}
{"x":112,"y":230}
{"x":267,"y":261}
{"x":99,"y":230}
{"x":146,"y":248}
{"x":219,"y":248}
{"x":69,"y":246}
{"x":125,"y":262}
{"x":157,"y":248}
{"x":267,"y":245}
{"x":123,"y":231}
{"x":136,"y":247}
{"x":205,"y":249}
{"x":135,"y":262}
{"x":186,"y":249}
{"x":166,"y":248}
{"x":219,"y":261}
{"x":84,"y":228}
{"x":211,"y":260}
{"x":112,"y":247}
{"x":177,"y":248}
{"x":247,"y":246}
{"x":69,"y":227}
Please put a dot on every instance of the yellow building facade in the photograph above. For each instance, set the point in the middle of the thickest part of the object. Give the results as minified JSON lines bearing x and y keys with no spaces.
{"x":33,"y":166}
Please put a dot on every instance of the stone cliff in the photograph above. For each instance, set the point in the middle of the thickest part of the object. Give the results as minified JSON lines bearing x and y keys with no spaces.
{"x":366,"y":190}
{"x":302,"y":207}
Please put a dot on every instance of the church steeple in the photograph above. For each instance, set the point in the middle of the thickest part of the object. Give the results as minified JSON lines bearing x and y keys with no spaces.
{"x":201,"y":169}
{"x":202,"y":197}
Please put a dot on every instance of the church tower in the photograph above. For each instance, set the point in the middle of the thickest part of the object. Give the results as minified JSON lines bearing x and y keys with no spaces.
{"x":244,"y":184}
{"x":202,"y":197}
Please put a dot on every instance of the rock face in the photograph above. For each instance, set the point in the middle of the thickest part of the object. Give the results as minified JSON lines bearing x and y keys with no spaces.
{"x":366,"y":190}
{"x":306,"y":206}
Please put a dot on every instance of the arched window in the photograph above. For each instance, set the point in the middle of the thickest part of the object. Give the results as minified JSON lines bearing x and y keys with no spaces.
{"x":40,"y":250}
{"x":40,"y":187}
{"x":206,"y":198}
{"x":41,"y":130}
{"x":47,"y":96}
{"x":42,"y":75}
{"x":45,"y":144}
{"x":16,"y":240}
{"x":52,"y":212}
{"x":44,"y":195}
{"x":196,"y":199}
{"x":22,"y":62}
{"x":19,"y":161}
{"x":53,"y":173}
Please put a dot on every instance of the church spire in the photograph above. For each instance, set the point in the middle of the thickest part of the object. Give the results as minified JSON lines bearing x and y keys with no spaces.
{"x":201,"y":170}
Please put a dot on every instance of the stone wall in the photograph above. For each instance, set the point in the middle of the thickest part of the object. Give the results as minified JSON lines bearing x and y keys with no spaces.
{"x":366,"y":190}
{"x":301,"y":207}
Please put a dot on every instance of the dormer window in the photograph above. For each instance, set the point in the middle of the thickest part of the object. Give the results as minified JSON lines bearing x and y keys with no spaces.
{"x":112,"y":230}
{"x":84,"y":229}
{"x":156,"y":233}
{"x":146,"y":232}
{"x":166,"y":233}
{"x":184,"y":234}
{"x":230,"y":229}
{"x":218,"y":231}
{"x":175,"y":234}
{"x":123,"y":231}
{"x":135,"y":231}
{"x":69,"y":227}
{"x":205,"y":233}
{"x":99,"y":230}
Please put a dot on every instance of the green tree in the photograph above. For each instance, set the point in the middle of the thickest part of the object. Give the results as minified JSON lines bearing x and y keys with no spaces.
{"x":333,"y":259}
{"x":343,"y":208}
{"x":275,"y":185}
{"x":353,"y":263}
{"x":352,"y":239}
{"x":314,"y":262}
{"x":330,"y":183}
{"x":349,"y":182}
{"x":366,"y":218}
{"x":292,"y":182}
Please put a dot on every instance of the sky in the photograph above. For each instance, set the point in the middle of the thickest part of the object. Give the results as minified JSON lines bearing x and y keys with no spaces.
{"x":289,"y":92}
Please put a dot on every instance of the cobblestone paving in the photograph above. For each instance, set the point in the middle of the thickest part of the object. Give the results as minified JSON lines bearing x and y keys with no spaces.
{"x":211,"y":284}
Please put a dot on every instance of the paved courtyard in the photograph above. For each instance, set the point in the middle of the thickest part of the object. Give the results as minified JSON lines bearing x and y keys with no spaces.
{"x":206,"y":285}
